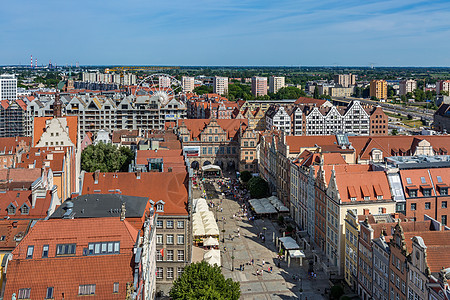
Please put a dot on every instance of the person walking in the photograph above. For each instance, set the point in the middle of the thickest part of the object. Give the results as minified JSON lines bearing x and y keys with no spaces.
{"x":263,"y":262}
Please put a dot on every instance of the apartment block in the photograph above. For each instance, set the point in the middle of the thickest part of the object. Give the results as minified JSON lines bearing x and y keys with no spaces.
{"x":8,"y":87}
{"x":442,"y":86}
{"x":276,"y":83}
{"x":345,"y":80}
{"x":407,"y":86}
{"x":188,"y":84}
{"x":259,"y":86}
{"x":220,"y":85}
{"x":12,"y":118}
{"x":378,"y":89}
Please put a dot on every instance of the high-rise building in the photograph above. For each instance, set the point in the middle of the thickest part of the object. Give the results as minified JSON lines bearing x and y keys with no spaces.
{"x":187,"y":83}
{"x":442,"y":85}
{"x":259,"y":86}
{"x":8,"y":87}
{"x":220,"y":85}
{"x":275,"y":83}
{"x":378,"y":89}
{"x":407,"y":86}
{"x":164,"y":81}
{"x":345,"y":80}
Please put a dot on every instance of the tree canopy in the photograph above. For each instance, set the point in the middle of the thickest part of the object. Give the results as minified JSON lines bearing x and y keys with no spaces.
{"x":106,"y":158}
{"x":239,"y":91}
{"x":258,"y":187}
{"x":203,"y":281}
{"x":288,"y":92}
{"x":246,"y":176}
{"x":203,"y":89}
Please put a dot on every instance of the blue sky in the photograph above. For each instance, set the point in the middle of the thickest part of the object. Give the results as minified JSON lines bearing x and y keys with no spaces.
{"x":226,"y":32}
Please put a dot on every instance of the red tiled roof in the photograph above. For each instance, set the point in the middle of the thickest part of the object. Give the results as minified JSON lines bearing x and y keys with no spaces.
{"x":11,"y":143}
{"x":170,"y":187}
{"x":12,"y":232}
{"x":19,"y":178}
{"x":66,"y":274}
{"x":297,"y":142}
{"x":38,"y":156}
{"x":362,"y":184}
{"x":117,"y":134}
{"x":306,"y":100}
{"x":18,"y":199}
{"x":415,"y":177}
{"x":231,"y":126}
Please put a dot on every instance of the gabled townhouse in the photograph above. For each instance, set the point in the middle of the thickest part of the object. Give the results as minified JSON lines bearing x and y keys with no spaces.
{"x":214,"y":141}
{"x":104,"y":256}
{"x":169,"y":195}
{"x":11,"y":148}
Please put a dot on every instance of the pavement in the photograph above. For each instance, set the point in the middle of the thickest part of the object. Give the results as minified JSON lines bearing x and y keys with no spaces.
{"x":279,"y":284}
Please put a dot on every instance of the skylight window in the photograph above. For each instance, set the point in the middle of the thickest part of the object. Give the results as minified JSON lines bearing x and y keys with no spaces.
{"x":423,"y":180}
{"x":439,"y":179}
{"x":408,"y":180}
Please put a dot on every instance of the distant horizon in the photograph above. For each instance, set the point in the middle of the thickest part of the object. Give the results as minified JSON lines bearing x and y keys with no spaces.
{"x":397,"y":33}
{"x":228,"y":66}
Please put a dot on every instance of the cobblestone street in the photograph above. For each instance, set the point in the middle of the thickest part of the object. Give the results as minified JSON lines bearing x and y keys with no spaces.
{"x":279,"y":284}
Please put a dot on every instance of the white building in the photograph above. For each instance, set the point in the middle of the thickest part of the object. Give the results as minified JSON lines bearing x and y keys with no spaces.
{"x":164,"y":81}
{"x":56,"y":133}
{"x":278,"y":118}
{"x":276,"y":83}
{"x":407,"y":86}
{"x":188,"y":83}
{"x":8,"y":87}
{"x":220,"y":85}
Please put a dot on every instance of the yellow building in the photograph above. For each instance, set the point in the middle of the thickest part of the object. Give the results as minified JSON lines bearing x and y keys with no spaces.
{"x":378,"y":89}
{"x":351,"y":249}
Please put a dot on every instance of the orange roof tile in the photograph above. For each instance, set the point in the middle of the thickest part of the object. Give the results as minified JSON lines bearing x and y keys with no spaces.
{"x":170,"y":187}
{"x":101,"y":270}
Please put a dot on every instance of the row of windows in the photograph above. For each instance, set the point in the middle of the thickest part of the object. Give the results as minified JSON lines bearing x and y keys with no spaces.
{"x":169,"y":255}
{"x":169,"y":272}
{"x":85,"y":289}
{"x":169,"y":239}
{"x":169,"y":224}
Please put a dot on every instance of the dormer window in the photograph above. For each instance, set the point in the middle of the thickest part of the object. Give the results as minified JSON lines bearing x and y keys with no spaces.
{"x":25,"y":210}
{"x":160,"y":206}
{"x":426,"y":191}
{"x":11,"y":209}
{"x":380,"y":197}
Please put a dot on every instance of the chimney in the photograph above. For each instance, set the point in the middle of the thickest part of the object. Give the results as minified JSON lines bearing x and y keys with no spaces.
{"x":169,"y":169}
{"x":69,"y":210}
{"x":138,"y":174}
{"x":96,"y":176}
{"x":366,"y":211}
{"x":396,"y":216}
{"x":383,"y":210}
{"x":122,"y":212}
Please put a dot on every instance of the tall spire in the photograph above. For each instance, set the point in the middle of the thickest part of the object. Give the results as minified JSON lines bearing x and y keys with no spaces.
{"x":57,"y":106}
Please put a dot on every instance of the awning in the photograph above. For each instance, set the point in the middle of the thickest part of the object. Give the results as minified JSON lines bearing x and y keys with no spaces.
{"x":289,"y":243}
{"x":211,"y":168}
{"x":212,"y":257}
{"x":296,"y":254}
{"x":262,"y":206}
{"x":211,"y":242}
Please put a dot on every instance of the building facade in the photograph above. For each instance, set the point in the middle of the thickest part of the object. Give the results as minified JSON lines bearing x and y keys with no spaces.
{"x":378,"y":89}
{"x":407,"y":86}
{"x":8,"y":87}
{"x":220,"y":85}
{"x":188,"y":84}
{"x":276,"y":83}
{"x":259,"y":86}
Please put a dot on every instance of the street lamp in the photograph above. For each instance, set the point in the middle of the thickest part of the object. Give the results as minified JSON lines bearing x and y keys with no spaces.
{"x":232,"y":260}
{"x":264,"y":229}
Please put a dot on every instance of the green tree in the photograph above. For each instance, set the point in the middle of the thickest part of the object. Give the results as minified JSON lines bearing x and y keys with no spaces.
{"x":394,"y":131}
{"x":316,"y":92}
{"x":106,"y":158}
{"x":390,"y":91}
{"x":289,"y":92}
{"x":419,"y":95}
{"x":246,"y":176}
{"x":203,"y":89}
{"x":445,"y":93}
{"x":239,"y":91}
{"x":258,"y":187}
{"x":336,"y":291}
{"x":203,"y":281}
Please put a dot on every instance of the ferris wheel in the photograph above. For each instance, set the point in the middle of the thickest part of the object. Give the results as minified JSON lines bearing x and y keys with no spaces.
{"x":163,"y":87}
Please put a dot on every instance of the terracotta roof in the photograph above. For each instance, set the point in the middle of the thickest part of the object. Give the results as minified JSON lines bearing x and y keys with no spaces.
{"x":101,"y":270}
{"x":18,"y":178}
{"x":415,"y":176}
{"x":170,"y":187}
{"x":297,"y":142}
{"x":362,"y":184}
{"x":12,"y":232}
{"x":117,"y":134}
{"x":39,"y":127}
{"x":306,"y":100}
{"x":38,"y":156}
{"x":173,"y":159}
{"x":231,"y":126}
{"x":12,"y":143}
{"x":20,"y":198}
